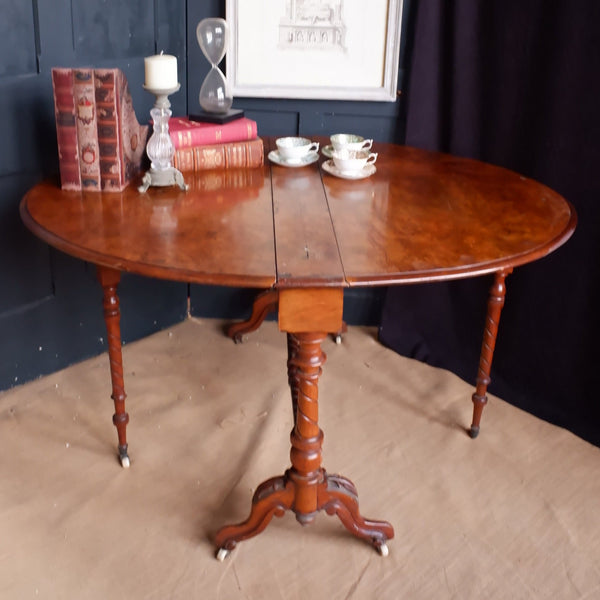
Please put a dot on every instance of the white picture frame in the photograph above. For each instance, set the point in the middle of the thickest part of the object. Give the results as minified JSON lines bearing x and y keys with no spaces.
{"x":314,"y":49}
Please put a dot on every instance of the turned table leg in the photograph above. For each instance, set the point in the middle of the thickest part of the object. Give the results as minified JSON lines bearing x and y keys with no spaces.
{"x":305,"y":488}
{"x":109,"y":279}
{"x":496,"y":299}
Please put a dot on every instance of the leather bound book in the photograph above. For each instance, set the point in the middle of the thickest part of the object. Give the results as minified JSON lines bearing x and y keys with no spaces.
{"x":108,"y":130}
{"x":186,"y":133}
{"x":121,"y":139}
{"x":66,"y":129}
{"x":87,"y":132}
{"x":229,"y":155}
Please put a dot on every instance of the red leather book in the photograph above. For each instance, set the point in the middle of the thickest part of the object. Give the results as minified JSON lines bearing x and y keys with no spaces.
{"x":186,"y":133}
{"x":228,"y":155}
{"x":121,"y":139}
{"x":66,"y":129}
{"x":87,"y":131}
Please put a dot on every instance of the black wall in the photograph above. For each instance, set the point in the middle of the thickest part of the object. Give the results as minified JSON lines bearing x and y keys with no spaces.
{"x":50,"y":304}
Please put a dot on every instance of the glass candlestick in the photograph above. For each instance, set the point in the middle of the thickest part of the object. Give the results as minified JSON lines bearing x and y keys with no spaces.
{"x":160,"y":149}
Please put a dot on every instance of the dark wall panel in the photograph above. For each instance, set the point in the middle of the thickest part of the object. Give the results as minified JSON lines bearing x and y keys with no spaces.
{"x":113,"y":30}
{"x":51,"y":305}
{"x":17,"y":38}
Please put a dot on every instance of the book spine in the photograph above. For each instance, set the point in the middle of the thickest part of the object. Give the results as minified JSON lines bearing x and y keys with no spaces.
{"x":229,"y":155}
{"x":186,"y":134}
{"x":66,"y":129}
{"x":87,"y":132}
{"x":108,"y":130}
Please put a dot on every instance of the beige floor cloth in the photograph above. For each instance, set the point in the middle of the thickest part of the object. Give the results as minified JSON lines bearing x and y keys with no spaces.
{"x":514,"y":514}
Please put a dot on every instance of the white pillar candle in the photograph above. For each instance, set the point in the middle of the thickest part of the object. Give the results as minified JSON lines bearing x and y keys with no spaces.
{"x":161,"y":72}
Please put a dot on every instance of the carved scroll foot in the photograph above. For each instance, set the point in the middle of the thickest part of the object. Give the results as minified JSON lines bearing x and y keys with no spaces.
{"x":264,"y":304}
{"x":339,"y":497}
{"x":272,"y":498}
{"x":496,"y":299}
{"x":109,"y":279}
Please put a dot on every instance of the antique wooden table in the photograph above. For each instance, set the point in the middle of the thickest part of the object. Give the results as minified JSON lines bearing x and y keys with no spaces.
{"x":305,"y":235}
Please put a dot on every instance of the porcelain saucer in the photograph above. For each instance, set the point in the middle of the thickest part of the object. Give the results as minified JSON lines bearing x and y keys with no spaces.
{"x":327,"y":151}
{"x":366,"y":171}
{"x":308,"y":159}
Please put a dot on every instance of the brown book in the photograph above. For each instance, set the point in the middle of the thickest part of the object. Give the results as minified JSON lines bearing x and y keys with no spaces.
{"x":121,"y":139}
{"x":87,"y":131}
{"x":229,"y":155}
{"x":66,"y":129}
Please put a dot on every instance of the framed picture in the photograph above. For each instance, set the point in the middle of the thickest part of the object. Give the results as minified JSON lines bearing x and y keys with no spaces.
{"x":315,"y":49}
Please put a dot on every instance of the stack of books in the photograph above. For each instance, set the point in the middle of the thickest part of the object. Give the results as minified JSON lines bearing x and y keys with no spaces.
{"x":201,"y":146}
{"x":100,"y":142}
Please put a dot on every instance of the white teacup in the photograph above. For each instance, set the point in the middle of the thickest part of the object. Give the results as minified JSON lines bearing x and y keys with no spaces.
{"x":294,"y":149}
{"x":339,"y":141}
{"x":353,"y":161}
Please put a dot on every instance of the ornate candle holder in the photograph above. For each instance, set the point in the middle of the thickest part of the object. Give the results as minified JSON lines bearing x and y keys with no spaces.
{"x":160,"y":149}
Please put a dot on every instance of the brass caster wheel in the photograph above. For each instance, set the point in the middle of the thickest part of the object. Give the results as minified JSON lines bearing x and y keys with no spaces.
{"x":383,"y":550}
{"x":124,"y":461}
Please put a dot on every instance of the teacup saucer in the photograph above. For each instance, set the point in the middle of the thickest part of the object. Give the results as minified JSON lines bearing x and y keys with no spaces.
{"x":327,"y":151}
{"x":366,"y":171}
{"x":308,"y":159}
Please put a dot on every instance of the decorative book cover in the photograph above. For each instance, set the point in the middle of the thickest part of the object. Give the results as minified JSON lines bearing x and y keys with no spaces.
{"x":66,"y":129}
{"x":87,"y":131}
{"x":186,"y":133}
{"x":121,"y":139}
{"x":228,"y":155}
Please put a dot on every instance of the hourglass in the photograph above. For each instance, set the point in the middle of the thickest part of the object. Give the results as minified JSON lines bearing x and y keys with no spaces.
{"x":215,"y":96}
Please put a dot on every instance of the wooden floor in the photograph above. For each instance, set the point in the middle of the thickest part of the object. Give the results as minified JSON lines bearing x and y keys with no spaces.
{"x":513,"y":514}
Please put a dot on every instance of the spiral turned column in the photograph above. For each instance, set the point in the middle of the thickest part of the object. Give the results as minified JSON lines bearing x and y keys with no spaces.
{"x":306,"y":437}
{"x":292,"y":347}
{"x":109,"y":279}
{"x":496,"y":300}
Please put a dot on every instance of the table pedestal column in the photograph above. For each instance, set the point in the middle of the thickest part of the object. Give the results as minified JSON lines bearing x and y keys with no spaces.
{"x":109,"y":279}
{"x":305,"y":488}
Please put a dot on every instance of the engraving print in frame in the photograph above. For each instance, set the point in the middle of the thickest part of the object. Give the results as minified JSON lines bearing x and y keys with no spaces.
{"x":314,"y":49}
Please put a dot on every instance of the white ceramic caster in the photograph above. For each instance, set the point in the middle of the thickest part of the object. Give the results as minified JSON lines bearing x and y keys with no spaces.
{"x":125,"y":461}
{"x":338,"y":339}
{"x":222,"y":554}
{"x":383,"y":550}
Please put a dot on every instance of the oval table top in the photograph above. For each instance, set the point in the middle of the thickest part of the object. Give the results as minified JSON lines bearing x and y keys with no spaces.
{"x":422,"y":216}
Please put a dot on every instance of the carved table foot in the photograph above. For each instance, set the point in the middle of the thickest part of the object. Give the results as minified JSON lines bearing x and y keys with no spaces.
{"x":339,"y":497}
{"x":272,"y":498}
{"x":264,"y":304}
